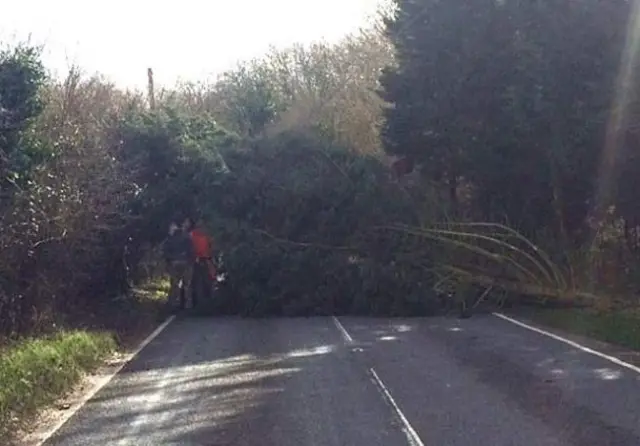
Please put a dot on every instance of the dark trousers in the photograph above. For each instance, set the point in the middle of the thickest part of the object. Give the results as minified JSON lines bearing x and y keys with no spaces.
{"x":200,"y":283}
{"x":180,"y":276}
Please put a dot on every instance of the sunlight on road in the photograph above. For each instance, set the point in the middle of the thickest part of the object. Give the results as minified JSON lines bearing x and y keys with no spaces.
{"x":607,"y":374}
{"x":302,"y":353}
{"x":198,"y":400}
{"x":166,"y":402}
{"x":403,"y":328}
{"x":388,"y":338}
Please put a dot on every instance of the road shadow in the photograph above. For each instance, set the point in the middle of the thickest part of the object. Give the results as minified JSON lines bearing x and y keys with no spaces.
{"x":202,"y":382}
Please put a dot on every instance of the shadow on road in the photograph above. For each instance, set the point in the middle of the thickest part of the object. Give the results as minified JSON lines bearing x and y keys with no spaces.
{"x":202,"y":382}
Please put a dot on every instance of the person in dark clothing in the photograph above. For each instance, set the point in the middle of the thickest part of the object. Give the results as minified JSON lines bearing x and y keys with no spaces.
{"x":178,"y":253}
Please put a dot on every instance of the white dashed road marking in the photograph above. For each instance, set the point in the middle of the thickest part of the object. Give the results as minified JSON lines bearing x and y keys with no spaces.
{"x":412,"y":436}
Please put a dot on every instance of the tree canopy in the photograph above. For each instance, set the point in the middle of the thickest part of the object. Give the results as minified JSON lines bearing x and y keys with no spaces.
{"x":510,"y":97}
{"x":519,"y":115}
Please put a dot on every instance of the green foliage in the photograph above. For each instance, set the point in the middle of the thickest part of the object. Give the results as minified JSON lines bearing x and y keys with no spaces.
{"x":173,"y":160}
{"x":22,"y":77}
{"x":510,"y":97}
{"x":293,"y":217}
{"x":502,"y":104}
{"x":250,"y":99}
{"x":296,"y":224}
{"x":176,"y":157}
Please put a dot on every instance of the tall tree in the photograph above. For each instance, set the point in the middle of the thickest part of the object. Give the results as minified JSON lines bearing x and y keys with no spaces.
{"x":21,"y":78}
{"x":510,"y":95}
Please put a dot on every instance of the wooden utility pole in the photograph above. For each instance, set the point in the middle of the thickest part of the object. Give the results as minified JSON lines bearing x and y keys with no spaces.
{"x":152,"y":99}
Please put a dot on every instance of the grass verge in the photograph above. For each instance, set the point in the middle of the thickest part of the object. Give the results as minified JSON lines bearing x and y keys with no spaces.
{"x":35,"y":372}
{"x":616,"y":327}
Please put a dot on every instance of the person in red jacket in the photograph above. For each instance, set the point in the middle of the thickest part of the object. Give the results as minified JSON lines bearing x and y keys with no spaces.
{"x":203,"y":268}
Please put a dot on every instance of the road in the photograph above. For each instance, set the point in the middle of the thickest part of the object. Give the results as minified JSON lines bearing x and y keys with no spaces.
{"x":360,"y":382}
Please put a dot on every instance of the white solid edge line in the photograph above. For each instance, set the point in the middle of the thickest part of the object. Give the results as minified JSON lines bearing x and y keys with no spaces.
{"x":573,"y":344}
{"x":104,"y":381}
{"x":409,"y":431}
{"x":345,"y":334}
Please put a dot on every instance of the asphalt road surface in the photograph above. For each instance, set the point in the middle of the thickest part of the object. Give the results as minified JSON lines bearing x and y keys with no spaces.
{"x":360,"y":382}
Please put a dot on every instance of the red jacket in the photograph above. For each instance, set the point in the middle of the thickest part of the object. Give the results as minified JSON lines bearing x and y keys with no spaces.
{"x":201,"y":244}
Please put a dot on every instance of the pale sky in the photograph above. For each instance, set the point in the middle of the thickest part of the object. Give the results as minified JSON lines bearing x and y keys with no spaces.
{"x":188,"y":39}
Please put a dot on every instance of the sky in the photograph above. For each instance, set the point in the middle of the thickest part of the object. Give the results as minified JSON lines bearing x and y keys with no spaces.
{"x":186,"y":39}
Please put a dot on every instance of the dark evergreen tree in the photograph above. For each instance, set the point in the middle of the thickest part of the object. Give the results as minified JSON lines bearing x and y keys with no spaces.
{"x":512,"y":96}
